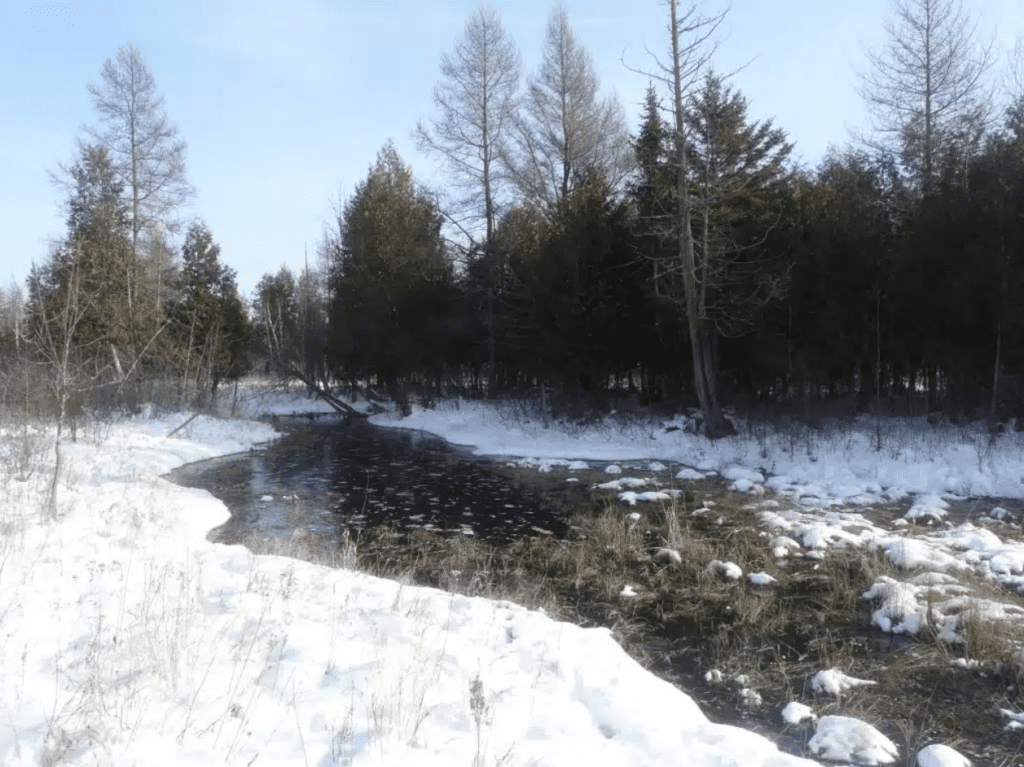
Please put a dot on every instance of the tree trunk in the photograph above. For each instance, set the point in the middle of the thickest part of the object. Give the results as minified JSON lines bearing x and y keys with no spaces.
{"x":995,"y":374}
{"x":701,"y":338}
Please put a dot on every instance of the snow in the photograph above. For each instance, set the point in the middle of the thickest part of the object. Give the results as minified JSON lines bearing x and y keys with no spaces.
{"x":817,"y":478}
{"x":618,"y":484}
{"x":1014,"y":720}
{"x":689,"y":474}
{"x":750,"y":698}
{"x":631,"y":498}
{"x":796,"y":712}
{"x":836,"y":465}
{"x":843,"y":738}
{"x":909,"y":606}
{"x":835,"y":682}
{"x":729,"y":570}
{"x":939,"y":755}
{"x":668,"y":555}
{"x":128,"y":639}
{"x":928,"y":507}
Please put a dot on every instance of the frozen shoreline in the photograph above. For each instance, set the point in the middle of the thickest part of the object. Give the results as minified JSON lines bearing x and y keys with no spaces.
{"x":828,"y":466}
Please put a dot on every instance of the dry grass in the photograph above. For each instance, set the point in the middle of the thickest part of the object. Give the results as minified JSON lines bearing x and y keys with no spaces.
{"x":688,"y":617}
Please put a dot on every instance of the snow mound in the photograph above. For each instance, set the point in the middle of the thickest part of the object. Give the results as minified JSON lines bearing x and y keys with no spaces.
{"x":689,"y":474}
{"x":668,"y":555}
{"x":938,"y":755}
{"x":631,"y":498}
{"x":730,"y":570}
{"x":907,"y":607}
{"x":1014,"y":721}
{"x":900,"y":612}
{"x":909,"y":553}
{"x":835,"y":682}
{"x":621,"y":484}
{"x":796,"y":712}
{"x":762,"y":579}
{"x":927,"y":508}
{"x":845,"y":739}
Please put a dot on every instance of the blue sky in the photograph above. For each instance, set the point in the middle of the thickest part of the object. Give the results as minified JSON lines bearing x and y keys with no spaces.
{"x":284,"y":105}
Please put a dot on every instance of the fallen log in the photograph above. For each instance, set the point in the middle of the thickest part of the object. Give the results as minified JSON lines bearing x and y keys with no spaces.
{"x":342,"y":407}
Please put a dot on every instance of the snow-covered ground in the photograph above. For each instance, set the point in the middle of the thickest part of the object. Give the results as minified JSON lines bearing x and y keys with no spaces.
{"x":835,"y":465}
{"x":126,"y":638}
{"x":818,"y":475}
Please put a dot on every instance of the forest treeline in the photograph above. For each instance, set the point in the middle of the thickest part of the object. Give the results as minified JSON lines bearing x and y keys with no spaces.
{"x":685,"y":258}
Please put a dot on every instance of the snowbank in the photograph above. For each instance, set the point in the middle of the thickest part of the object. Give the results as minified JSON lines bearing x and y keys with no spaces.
{"x":831,"y":466}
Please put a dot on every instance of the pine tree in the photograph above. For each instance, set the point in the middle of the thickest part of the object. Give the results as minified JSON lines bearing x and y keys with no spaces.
{"x":208,"y":316}
{"x":739,"y":175}
{"x":95,"y":261}
{"x":392,"y":285}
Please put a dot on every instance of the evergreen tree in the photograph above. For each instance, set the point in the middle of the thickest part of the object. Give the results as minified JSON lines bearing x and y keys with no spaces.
{"x":392,"y":285}
{"x":276,"y":315}
{"x":312,"y":303}
{"x":959,"y":278}
{"x":839,"y":291}
{"x":209,"y":318}
{"x":95,"y":261}
{"x":654,"y":179}
{"x":739,"y":181}
{"x":580,"y":311}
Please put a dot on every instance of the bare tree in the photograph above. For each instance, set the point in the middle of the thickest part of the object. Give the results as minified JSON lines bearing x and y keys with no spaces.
{"x":691,"y":36}
{"x":926,"y":88}
{"x":52,"y":335}
{"x":1015,"y":70}
{"x":143,"y":146}
{"x":566,"y":132}
{"x":1014,"y":87}
{"x":477,"y":103}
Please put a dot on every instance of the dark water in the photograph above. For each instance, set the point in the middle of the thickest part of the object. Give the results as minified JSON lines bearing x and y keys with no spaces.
{"x":328,"y":477}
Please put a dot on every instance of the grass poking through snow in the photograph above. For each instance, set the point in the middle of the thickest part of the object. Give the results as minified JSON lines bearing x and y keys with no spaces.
{"x":672,"y":582}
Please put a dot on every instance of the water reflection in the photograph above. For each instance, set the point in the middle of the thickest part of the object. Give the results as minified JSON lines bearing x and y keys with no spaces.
{"x":327,"y":477}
